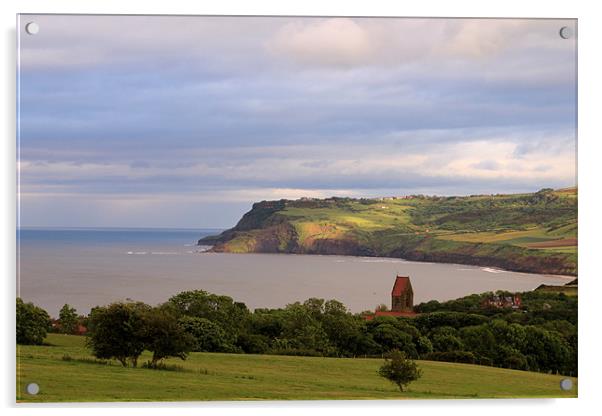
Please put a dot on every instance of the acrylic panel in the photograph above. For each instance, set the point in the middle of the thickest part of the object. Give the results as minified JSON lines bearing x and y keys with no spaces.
{"x":295,"y":208}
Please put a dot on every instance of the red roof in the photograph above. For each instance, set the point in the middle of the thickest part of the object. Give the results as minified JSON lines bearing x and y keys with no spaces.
{"x":401,"y":285}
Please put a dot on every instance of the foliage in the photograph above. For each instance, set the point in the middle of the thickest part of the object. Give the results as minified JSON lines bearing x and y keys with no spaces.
{"x":465,"y":357}
{"x":68,"y":319}
{"x":399,"y":370}
{"x":205,"y":334}
{"x":231,"y":316}
{"x":117,"y":332}
{"x":164,"y":336}
{"x":33,"y":323}
{"x":540,"y":336}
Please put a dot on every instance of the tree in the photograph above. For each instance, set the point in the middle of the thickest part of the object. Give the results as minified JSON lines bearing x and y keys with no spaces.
{"x":117,"y":331}
{"x":445,"y":339}
{"x":399,"y":370}
{"x":231,"y":316}
{"x":164,"y":336}
{"x":303,"y":328}
{"x":206,"y":335}
{"x":32,"y":323}
{"x":424,"y":345}
{"x":479,"y":339}
{"x":392,"y":338}
{"x":343,"y":330}
{"x":68,"y":319}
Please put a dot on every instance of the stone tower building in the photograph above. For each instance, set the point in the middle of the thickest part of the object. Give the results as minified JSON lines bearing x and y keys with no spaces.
{"x":402,"y":295}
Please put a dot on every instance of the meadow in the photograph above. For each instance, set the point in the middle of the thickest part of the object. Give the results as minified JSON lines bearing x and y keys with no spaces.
{"x":65,"y":371}
{"x":522,"y":220}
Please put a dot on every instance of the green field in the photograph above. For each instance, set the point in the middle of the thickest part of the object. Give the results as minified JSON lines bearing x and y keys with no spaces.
{"x":65,"y":371}
{"x":534,"y":232}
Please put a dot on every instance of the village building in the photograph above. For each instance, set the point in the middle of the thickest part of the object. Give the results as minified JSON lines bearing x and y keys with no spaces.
{"x":402,"y":300}
{"x":499,"y":301}
{"x":402,"y":295}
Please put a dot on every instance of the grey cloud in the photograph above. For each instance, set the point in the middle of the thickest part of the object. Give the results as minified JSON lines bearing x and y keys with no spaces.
{"x":167,"y":105}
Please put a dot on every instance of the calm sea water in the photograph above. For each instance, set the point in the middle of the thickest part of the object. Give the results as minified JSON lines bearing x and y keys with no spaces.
{"x":89,"y":267}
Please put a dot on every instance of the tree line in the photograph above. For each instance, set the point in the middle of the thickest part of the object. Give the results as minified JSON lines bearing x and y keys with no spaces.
{"x":541,"y":336}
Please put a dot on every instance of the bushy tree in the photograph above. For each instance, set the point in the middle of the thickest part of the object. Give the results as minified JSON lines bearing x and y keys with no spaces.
{"x":206,"y":335}
{"x":478,"y":339}
{"x":346,"y":332}
{"x":231,"y":316}
{"x":446,"y":339}
{"x":399,"y":370}
{"x":303,"y":330}
{"x":510,"y":357}
{"x":424,"y":345}
{"x":68,"y":319}
{"x":253,"y":343}
{"x":33,"y":323}
{"x":164,"y":336}
{"x":549,"y":350}
{"x":117,"y":331}
{"x":390,"y":337}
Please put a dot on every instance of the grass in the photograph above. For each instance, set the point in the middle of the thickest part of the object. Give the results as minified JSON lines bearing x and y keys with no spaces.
{"x":523,"y":232}
{"x":213,"y":376}
{"x":569,"y":290}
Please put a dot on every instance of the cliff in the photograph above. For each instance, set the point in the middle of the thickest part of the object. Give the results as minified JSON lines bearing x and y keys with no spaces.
{"x":524,"y":232}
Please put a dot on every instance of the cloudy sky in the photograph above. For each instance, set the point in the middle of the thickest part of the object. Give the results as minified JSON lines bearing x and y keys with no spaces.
{"x":185,"y":121}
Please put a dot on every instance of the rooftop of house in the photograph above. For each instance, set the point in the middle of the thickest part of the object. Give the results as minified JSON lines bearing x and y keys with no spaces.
{"x":401,"y":285}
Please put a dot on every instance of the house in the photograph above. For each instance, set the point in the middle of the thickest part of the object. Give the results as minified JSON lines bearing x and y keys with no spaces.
{"x":502,"y":301}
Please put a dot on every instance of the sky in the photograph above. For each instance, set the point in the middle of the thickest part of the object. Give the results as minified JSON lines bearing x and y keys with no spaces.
{"x":173,"y":121}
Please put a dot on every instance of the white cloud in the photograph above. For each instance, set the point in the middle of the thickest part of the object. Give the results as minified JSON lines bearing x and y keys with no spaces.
{"x":331,"y":42}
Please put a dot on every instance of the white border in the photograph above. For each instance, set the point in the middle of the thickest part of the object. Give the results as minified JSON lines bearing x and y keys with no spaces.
{"x":590,"y":31}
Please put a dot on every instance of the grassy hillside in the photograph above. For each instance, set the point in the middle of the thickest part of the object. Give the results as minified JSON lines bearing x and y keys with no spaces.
{"x":66,"y":372}
{"x":534,"y":232}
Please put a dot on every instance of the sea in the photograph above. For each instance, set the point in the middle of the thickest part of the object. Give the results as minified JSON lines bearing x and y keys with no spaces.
{"x":87,"y":267}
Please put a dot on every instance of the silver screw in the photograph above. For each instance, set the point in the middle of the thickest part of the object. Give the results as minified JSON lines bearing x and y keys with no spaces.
{"x":32,"y":388}
{"x":32,"y":28}
{"x":566,"y":32}
{"x":566,"y":384}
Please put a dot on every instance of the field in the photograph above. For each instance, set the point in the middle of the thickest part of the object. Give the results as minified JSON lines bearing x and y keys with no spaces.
{"x":534,"y":232}
{"x":568,"y":290}
{"x":468,"y":219}
{"x":66,"y":372}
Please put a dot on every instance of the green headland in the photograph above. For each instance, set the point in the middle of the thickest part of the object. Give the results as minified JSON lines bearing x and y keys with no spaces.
{"x":531,"y":232}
